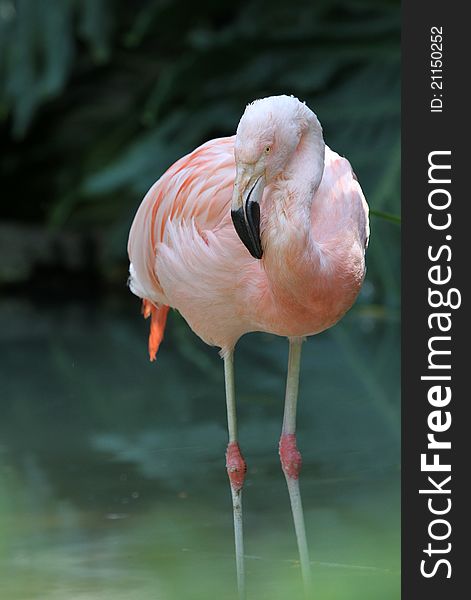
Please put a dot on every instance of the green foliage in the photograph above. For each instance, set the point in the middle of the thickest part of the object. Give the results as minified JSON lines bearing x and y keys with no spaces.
{"x":99,"y":97}
{"x":38,"y":46}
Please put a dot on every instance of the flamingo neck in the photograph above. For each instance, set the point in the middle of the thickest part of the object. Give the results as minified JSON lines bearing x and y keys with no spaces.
{"x":303,"y":173}
{"x":287,"y":236}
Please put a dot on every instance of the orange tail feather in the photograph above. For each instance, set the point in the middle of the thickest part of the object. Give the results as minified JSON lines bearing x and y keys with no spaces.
{"x":157,"y":325}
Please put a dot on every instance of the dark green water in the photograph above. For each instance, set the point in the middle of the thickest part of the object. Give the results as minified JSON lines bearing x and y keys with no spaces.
{"x":112,"y":479}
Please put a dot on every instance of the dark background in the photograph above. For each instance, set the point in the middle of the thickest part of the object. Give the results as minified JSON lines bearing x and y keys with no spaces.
{"x":112,"y":468}
{"x":97,"y":98}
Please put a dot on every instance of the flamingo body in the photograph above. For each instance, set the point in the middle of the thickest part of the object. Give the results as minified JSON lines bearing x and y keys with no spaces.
{"x":262,"y":231}
{"x":186,"y":254}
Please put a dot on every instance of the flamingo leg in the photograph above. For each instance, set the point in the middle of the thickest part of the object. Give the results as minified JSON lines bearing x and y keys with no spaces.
{"x":236,"y":469}
{"x":291,"y":457}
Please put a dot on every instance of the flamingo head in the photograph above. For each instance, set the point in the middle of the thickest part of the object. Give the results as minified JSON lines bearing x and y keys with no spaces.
{"x":268,"y":135}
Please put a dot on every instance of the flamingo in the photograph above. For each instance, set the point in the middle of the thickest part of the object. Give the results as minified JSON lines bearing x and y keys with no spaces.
{"x":262,"y":231}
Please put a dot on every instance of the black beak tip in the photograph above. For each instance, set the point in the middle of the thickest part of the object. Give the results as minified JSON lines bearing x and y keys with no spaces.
{"x":252,"y":211}
{"x":257,"y":254}
{"x":246,"y":233}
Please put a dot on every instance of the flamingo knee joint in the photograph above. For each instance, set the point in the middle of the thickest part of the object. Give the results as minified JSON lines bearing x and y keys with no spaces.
{"x":290,"y":456}
{"x":236,"y":466}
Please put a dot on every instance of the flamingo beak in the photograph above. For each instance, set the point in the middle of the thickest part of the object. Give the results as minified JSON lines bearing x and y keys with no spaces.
{"x":245,"y":209}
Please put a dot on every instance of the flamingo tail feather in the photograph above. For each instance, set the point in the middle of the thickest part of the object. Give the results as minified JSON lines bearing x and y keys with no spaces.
{"x":158,"y":319}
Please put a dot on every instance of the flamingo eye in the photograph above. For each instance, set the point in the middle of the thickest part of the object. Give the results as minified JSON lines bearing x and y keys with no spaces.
{"x":267,"y":149}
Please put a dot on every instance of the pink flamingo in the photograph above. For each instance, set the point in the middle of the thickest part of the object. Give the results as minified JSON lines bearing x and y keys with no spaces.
{"x":262,"y":231}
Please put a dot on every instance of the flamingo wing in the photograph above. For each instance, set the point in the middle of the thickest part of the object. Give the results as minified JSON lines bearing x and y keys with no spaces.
{"x":197,"y":188}
{"x":339,"y":209}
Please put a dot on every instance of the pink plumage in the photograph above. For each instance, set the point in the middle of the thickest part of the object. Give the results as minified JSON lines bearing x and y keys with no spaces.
{"x":262,"y":231}
{"x":186,"y":254}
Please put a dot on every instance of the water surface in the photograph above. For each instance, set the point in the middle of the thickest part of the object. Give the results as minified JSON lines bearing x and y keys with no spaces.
{"x":112,"y":479}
